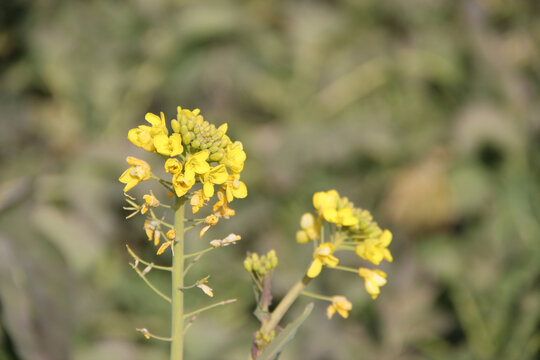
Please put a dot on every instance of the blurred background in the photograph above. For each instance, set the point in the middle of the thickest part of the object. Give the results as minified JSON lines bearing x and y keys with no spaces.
{"x":424,"y":112}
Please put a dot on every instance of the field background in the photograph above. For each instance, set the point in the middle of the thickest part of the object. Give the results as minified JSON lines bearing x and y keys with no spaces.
{"x":425,"y":112}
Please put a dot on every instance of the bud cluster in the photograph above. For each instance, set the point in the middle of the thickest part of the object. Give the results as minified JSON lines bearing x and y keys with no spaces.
{"x":199,"y":134}
{"x":261,"y":265}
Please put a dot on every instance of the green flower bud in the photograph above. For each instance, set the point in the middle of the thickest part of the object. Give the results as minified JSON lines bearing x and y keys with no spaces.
{"x":190,"y":124}
{"x":274,"y":262}
{"x":183,"y":129}
{"x":213,"y":149}
{"x":195,"y":144}
{"x":217,"y":156}
{"x":175,"y":125}
{"x":188,"y":137}
{"x":248,"y":264}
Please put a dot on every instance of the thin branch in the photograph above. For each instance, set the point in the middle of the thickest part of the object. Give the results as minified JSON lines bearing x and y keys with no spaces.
{"x":147,"y":334}
{"x":142,"y":276}
{"x":199,"y":252}
{"x":224,"y":302}
{"x":154,"y":266}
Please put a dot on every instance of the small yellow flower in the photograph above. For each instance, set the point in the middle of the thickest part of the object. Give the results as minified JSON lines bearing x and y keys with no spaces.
{"x":234,"y":157}
{"x":375,"y":250}
{"x":196,"y":164}
{"x":198,"y":200}
{"x":222,"y":205}
{"x":181,"y":184}
{"x":324,"y":201}
{"x":151,"y":227}
{"x":171,"y":234}
{"x":339,"y":304}
{"x":310,"y":228}
{"x":158,"y":124}
{"x":149,"y":200}
{"x":211,"y":220}
{"x":216,"y":175}
{"x":139,"y":171}
{"x":234,"y":188}
{"x":141,"y":137}
{"x":374,"y":279}
{"x":168,"y":145}
{"x":322,"y":256}
{"x":173,"y":166}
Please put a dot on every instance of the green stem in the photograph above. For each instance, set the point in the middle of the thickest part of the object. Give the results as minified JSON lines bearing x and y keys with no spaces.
{"x":199,"y":252}
{"x":224,"y":302}
{"x":156,"y":290}
{"x":345,"y":268}
{"x":285,"y":304}
{"x":154,"y":266}
{"x":177,"y":322}
{"x":316,"y":296}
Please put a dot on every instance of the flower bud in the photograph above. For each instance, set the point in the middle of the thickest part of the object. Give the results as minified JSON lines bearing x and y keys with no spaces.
{"x":195,"y":144}
{"x":175,"y":125}
{"x":248,"y":264}
{"x":190,"y":124}
{"x":188,"y":137}
{"x":183,"y":129}
{"x":302,"y":237}
{"x":217,"y":156}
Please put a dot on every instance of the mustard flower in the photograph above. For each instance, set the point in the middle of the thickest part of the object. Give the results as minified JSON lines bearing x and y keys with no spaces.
{"x":310,"y":228}
{"x":151,"y":228}
{"x":181,"y":184}
{"x":198,"y":200}
{"x":339,"y":304}
{"x":222,"y":205}
{"x":234,"y":157}
{"x":234,"y":188}
{"x":374,"y":279}
{"x":230,"y":239}
{"x":173,"y":166}
{"x":139,"y":171}
{"x":375,"y":250}
{"x":322,"y":256}
{"x":216,"y":175}
{"x":196,"y":164}
{"x":143,"y":136}
{"x":149,"y":200}
{"x":168,"y":145}
{"x":210,"y":220}
{"x":325,"y":201}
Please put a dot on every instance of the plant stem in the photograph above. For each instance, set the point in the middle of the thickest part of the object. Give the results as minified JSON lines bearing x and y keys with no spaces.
{"x":177,"y":322}
{"x":285,"y":304}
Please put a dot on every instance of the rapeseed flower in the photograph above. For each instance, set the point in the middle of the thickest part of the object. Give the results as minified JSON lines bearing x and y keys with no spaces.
{"x":339,"y":304}
{"x":322,"y":256}
{"x":375,"y":250}
{"x":374,"y":279}
{"x":139,"y":171}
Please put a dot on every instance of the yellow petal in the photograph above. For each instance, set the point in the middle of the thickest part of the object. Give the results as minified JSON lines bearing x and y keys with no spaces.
{"x":163,"y":247}
{"x":315,"y":269}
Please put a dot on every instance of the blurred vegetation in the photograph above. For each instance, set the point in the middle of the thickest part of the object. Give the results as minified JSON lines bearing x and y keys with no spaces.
{"x":425,"y":112}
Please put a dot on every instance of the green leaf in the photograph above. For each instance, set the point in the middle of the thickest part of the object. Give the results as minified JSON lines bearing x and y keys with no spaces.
{"x":275,"y":347}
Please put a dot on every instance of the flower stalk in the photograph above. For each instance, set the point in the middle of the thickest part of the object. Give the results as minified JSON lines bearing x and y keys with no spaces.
{"x":177,"y":317}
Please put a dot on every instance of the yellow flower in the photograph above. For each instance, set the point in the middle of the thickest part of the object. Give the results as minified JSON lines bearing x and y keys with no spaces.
{"x":181,"y":184}
{"x":163,"y":247}
{"x":139,"y":171}
{"x":375,"y":250}
{"x":197,"y":201}
{"x":339,"y":304}
{"x":210,"y":220}
{"x":374,"y":279}
{"x":173,"y":166}
{"x":168,"y":145}
{"x":151,"y":227}
{"x":222,"y":205}
{"x":322,"y":256}
{"x":234,"y":157}
{"x":310,"y":229}
{"x":142,"y":138}
{"x":216,"y":175}
{"x":234,"y":188}
{"x":325,"y":201}
{"x":188,"y":114}
{"x":149,"y":200}
{"x":196,"y":164}
{"x":171,"y":234}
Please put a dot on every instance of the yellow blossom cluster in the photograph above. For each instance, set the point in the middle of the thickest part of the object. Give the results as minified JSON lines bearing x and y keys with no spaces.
{"x":351,"y":229}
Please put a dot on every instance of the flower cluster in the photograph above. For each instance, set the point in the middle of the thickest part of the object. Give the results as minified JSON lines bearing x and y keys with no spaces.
{"x":194,"y":152}
{"x":352,"y":229}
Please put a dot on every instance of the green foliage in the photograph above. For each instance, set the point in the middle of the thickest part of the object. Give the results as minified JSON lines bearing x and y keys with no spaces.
{"x":425,"y":111}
